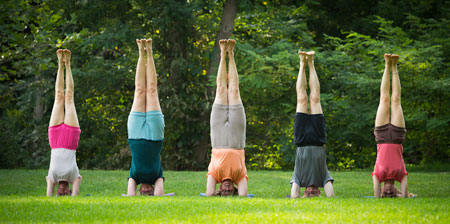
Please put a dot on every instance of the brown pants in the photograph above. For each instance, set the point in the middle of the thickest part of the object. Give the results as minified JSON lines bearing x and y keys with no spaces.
{"x":389,"y":134}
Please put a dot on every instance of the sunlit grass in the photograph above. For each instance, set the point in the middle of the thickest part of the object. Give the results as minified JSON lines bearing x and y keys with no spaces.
{"x":22,"y":200}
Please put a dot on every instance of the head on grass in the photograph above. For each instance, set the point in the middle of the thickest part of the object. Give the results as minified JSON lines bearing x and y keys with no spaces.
{"x":389,"y":190}
{"x":227,"y":188}
{"x":311,"y":191}
{"x":146,"y":189}
{"x":63,"y":189}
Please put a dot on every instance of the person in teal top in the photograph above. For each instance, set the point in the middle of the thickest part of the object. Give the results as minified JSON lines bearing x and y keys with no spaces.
{"x":146,"y":128}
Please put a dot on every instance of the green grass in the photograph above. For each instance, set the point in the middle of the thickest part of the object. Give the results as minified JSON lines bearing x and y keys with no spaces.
{"x":22,"y":200}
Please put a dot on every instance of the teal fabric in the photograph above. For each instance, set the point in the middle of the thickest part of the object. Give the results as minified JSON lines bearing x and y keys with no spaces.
{"x":148,"y":125}
{"x":145,"y":160}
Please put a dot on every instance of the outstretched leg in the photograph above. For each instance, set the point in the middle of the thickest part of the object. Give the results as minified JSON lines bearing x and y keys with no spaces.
{"x":302,"y":97}
{"x":382,"y":117}
{"x":57,"y":116}
{"x":233,"y":80}
{"x":397,"y":118}
{"x":314,"y":86}
{"x":152,"y":101}
{"x":70,"y":117}
{"x":221,"y":89}
{"x":139,"y":80}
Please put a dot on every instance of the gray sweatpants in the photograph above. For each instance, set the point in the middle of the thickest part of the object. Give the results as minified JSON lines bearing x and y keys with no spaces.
{"x":311,"y":167}
{"x":228,"y":125}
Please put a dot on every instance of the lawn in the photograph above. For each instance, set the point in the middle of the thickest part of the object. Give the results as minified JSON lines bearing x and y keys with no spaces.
{"x":22,"y":200}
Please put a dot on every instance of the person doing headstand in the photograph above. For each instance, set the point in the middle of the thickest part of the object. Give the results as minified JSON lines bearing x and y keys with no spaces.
{"x":63,"y":133}
{"x":389,"y":134}
{"x":146,"y":128}
{"x":310,"y":169}
{"x":228,"y":124}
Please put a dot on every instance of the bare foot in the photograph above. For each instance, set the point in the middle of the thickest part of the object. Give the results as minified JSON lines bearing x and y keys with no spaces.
{"x":394,"y":59}
{"x":223,"y":46}
{"x":310,"y":56}
{"x":148,"y":46}
{"x":302,"y":56}
{"x":140,"y":44}
{"x":60,"y":55}
{"x":67,"y":54}
{"x":230,"y":46}
{"x":387,"y":58}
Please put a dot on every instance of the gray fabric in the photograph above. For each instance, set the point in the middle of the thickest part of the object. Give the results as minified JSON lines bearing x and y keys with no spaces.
{"x":311,"y":167}
{"x":63,"y":165}
{"x":228,"y":125}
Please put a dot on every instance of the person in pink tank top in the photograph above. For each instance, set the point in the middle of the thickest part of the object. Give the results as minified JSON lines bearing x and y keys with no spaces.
{"x":389,"y":134}
{"x":63,"y":133}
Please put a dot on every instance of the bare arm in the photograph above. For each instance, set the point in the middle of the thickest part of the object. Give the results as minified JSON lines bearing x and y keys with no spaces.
{"x":50,"y":187}
{"x":376,"y":187}
{"x":242,"y":187}
{"x":404,"y":186}
{"x":131,"y":187}
{"x":328,"y":188}
{"x":211,"y":186}
{"x":76,"y":186}
{"x":159,"y":187}
{"x":295,"y":190}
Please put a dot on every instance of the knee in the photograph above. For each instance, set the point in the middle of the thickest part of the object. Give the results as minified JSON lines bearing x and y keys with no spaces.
{"x":314,"y":98}
{"x":395,"y":99}
{"x":221,"y":89}
{"x":69,"y":96}
{"x":59,"y":96}
{"x":233,"y":91}
{"x":152,"y":90}
{"x":302,"y":99}
{"x":139,"y":91}
{"x":384,"y":99}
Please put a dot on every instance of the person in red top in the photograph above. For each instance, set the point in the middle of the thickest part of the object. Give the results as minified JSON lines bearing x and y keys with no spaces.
{"x":389,"y":134}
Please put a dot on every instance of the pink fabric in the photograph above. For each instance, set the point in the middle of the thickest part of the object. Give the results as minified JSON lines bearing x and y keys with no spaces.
{"x":64,"y":136}
{"x":389,"y":164}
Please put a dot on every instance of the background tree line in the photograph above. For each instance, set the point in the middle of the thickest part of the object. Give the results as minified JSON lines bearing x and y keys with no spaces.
{"x":349,"y":37}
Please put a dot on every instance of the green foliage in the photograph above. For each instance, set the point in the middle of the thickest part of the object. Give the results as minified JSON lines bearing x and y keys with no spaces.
{"x":349,"y":42}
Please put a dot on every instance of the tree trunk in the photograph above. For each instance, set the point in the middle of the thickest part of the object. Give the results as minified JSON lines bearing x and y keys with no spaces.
{"x":226,"y":30}
{"x":38,"y":112}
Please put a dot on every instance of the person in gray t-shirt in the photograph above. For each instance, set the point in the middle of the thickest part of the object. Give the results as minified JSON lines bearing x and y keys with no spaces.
{"x":310,"y":169}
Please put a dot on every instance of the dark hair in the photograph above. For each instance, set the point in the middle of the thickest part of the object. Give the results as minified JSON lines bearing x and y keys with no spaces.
{"x":147,"y":190}
{"x":236,"y":193}
{"x":63,"y":189}
{"x":389,"y":194}
{"x":311,"y":191}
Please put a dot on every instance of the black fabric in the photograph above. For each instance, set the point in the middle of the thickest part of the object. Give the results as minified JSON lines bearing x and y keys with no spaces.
{"x":309,"y":129}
